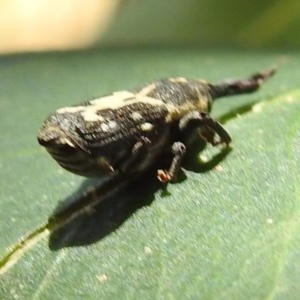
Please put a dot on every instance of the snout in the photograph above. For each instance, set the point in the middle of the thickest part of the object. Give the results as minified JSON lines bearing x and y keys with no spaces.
{"x":53,"y":136}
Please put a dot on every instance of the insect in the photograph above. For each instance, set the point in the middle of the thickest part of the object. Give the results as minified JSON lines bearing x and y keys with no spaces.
{"x":129,"y":131}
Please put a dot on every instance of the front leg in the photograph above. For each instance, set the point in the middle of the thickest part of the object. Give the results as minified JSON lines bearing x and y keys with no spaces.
{"x":207,"y":126}
{"x":208,"y":129}
{"x":178,"y":151}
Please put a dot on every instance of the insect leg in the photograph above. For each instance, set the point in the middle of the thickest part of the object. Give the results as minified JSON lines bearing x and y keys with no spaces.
{"x":137,"y":154}
{"x":178,"y":151}
{"x":207,"y":126}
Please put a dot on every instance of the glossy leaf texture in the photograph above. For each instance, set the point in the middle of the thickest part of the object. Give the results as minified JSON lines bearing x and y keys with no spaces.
{"x":229,"y":229}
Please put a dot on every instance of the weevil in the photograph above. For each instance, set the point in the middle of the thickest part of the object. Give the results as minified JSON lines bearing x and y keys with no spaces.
{"x":127,"y":132}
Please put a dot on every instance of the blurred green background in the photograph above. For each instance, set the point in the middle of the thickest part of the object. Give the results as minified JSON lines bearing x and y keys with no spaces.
{"x":257,"y":23}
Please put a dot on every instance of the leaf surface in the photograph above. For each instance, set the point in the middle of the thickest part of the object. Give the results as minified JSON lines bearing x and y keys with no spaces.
{"x":229,"y":232}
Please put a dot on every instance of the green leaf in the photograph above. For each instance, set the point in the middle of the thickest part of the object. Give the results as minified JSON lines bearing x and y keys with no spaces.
{"x":227,"y":232}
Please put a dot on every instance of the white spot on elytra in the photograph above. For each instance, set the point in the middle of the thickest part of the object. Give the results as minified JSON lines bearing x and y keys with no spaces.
{"x":90,"y":116}
{"x":116,"y":100}
{"x":112,"y":124}
{"x":119,"y":99}
{"x":146,"y":126}
{"x":146,"y":90}
{"x":70,"y":109}
{"x":136,"y":116}
{"x":104,"y":127}
{"x":178,"y":80}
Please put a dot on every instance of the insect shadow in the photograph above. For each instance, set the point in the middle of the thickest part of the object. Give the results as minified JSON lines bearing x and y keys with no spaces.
{"x":114,"y":209}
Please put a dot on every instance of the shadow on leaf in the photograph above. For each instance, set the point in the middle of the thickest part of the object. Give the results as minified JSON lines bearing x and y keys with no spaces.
{"x":106,"y":216}
{"x":104,"y":206}
{"x":100,"y":215}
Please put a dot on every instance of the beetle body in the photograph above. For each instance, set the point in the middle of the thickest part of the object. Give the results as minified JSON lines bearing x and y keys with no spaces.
{"x":127,"y":131}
